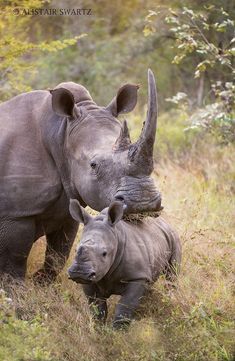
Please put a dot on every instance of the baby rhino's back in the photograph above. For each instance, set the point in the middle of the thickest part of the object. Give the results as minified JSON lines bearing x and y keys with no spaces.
{"x":163,"y":246}
{"x":152,"y":246}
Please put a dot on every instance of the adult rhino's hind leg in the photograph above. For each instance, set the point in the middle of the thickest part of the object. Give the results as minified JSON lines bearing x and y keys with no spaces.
{"x":59,"y":243}
{"x":16,"y":239}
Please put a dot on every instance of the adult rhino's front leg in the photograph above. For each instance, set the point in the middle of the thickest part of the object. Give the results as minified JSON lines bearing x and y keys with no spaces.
{"x":59,"y":243}
{"x":128,"y":303}
{"x":16,"y":239}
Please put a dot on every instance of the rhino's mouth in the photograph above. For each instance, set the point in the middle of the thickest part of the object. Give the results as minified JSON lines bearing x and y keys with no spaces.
{"x":79,"y":277}
{"x":138,"y":217}
{"x":139,"y":195}
{"x":80,"y":280}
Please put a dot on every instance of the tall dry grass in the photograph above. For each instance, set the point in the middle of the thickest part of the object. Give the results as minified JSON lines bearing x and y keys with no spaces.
{"x":194,"y":322}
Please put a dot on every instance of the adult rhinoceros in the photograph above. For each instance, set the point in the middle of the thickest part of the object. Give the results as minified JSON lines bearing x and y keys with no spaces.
{"x":59,"y":145}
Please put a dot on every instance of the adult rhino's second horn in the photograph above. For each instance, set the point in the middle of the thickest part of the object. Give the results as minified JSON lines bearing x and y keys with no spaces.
{"x":141,"y":152}
{"x":123,"y":141}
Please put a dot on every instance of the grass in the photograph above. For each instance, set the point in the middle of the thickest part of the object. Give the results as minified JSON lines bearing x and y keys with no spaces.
{"x":194,"y":322}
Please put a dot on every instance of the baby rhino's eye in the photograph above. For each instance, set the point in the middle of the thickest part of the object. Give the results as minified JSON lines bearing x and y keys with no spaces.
{"x":104,"y":253}
{"x":93,"y":164}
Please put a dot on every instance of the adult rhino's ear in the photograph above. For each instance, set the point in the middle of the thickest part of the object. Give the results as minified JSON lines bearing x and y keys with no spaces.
{"x":78,"y":212}
{"x":115,"y":212}
{"x":125,"y":100}
{"x":63,"y":102}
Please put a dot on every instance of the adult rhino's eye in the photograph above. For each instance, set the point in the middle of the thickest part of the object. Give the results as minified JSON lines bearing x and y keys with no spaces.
{"x":93,"y":164}
{"x":104,"y":254}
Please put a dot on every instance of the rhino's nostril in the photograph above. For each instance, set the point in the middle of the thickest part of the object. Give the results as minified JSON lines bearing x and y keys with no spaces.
{"x":119,"y":198}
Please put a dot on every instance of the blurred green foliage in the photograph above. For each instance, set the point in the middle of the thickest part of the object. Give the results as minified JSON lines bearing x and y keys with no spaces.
{"x":18,"y":336}
{"x":198,"y":38}
{"x":18,"y":49}
{"x":189,"y":45}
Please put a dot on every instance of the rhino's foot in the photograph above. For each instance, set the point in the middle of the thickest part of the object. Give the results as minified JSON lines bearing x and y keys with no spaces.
{"x":99,"y":318}
{"x":43,"y":277}
{"x":99,"y":310}
{"x":170,"y":285}
{"x":121,"y":324}
{"x":128,"y":303}
{"x":11,"y":285}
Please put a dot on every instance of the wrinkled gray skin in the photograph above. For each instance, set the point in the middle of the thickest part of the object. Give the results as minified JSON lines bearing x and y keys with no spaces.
{"x":121,"y":258}
{"x":59,"y":145}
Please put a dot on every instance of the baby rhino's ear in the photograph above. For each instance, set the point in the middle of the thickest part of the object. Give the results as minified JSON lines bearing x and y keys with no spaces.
{"x":78,"y":212}
{"x":115,"y":212}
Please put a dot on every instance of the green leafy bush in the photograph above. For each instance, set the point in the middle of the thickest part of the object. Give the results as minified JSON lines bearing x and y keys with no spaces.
{"x":197,"y":35}
{"x":21,"y":340}
{"x":18,"y":53}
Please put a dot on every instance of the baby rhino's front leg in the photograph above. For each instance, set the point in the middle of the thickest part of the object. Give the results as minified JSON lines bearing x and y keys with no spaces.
{"x":98,"y":304}
{"x":128,"y":303}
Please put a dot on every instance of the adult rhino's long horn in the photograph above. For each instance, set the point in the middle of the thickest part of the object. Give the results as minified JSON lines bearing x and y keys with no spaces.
{"x":141,"y":152}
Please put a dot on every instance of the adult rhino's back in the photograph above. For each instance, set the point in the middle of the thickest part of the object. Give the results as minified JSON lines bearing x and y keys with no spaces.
{"x":28,"y":177}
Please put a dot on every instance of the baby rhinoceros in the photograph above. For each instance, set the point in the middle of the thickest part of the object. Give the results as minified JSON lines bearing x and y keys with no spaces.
{"x":121,"y":258}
